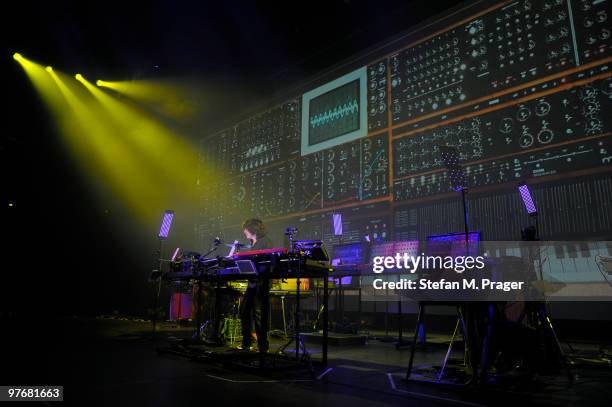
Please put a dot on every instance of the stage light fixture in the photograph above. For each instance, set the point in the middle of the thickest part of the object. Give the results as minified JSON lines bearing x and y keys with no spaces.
{"x":49,"y":69}
{"x":337,"y":223}
{"x":164,"y":230}
{"x":17,"y":56}
{"x":175,"y":254}
{"x":527,"y":199}
{"x":99,"y":82}
{"x":78,"y":77}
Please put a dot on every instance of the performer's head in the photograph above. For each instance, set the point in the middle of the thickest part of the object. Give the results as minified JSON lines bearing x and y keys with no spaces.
{"x":253,"y":229}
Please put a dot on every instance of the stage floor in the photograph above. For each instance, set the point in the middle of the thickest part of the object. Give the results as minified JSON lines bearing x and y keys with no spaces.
{"x":114,"y":362}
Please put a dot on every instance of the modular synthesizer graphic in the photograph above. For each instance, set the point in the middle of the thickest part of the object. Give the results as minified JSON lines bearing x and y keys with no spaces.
{"x":520,"y":88}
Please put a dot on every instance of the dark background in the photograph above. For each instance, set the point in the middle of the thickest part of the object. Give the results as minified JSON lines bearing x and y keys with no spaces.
{"x":64,"y":250}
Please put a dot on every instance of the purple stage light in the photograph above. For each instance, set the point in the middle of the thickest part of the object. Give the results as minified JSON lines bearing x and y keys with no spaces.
{"x":337,"y":220}
{"x":175,"y":254}
{"x":453,"y":244}
{"x":166,"y":224}
{"x":527,"y":199}
{"x":473,"y":236}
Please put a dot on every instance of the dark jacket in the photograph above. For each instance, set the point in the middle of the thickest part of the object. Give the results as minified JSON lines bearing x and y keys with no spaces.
{"x":263,"y":243}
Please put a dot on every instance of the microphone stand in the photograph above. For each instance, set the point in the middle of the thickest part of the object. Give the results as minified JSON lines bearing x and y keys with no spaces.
{"x":158,"y":280}
{"x":216,"y":244}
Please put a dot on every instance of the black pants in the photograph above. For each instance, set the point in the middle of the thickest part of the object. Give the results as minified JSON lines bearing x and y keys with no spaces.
{"x":254,"y":311}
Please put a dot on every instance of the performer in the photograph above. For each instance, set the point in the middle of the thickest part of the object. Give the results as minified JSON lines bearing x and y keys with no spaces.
{"x":257,"y":291}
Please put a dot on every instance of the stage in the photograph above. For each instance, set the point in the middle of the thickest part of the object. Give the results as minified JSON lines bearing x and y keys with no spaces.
{"x":103,"y":361}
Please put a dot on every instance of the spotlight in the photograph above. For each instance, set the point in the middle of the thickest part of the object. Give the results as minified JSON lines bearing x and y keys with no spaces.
{"x":78,"y":77}
{"x":17,"y":56}
{"x":49,"y":69}
{"x":98,"y":82}
{"x":527,"y":199}
{"x":531,"y":232}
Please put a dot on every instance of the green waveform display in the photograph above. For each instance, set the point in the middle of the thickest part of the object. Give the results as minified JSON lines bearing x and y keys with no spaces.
{"x":351,"y":107}
{"x":334,"y":113}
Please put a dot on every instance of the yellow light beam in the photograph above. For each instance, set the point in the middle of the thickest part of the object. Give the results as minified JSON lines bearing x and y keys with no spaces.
{"x":173,"y":155}
{"x":138,"y":159}
{"x":169,"y":99}
{"x":107,"y":159}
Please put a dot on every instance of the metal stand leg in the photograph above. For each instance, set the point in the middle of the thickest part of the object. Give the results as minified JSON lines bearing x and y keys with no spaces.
{"x":414,"y":340}
{"x":401,"y":344}
{"x":470,"y":335}
{"x":325,"y":321}
{"x":298,"y":339}
{"x":218,"y":305}
{"x":158,"y":290}
{"x":548,"y":326}
{"x":300,"y":347}
{"x":359,"y":309}
{"x":156,"y":306}
{"x":282,"y":298}
{"x":449,"y":350}
{"x":264,"y":322}
{"x":197,"y":333}
{"x":400,"y":331}
{"x":486,"y":345}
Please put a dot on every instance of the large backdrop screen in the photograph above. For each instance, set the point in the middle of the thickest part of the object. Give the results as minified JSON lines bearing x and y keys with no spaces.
{"x":521,"y":88}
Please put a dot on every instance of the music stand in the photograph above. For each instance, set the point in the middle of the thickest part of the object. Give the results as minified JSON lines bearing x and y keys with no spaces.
{"x":156,"y":275}
{"x":450,"y":157}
